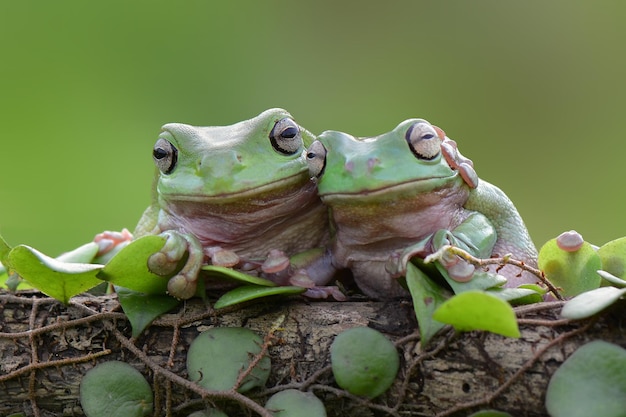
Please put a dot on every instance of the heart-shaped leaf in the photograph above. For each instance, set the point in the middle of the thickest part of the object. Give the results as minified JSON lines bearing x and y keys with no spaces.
{"x":427,"y":297}
{"x":141,"y":309}
{"x":591,"y":382}
{"x":478,"y":310}
{"x":574,"y":272}
{"x":250,"y":292}
{"x":115,"y":389}
{"x":60,"y":280}
{"x":129,"y":267}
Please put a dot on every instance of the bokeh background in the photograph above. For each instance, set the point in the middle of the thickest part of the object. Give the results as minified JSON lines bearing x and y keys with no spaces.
{"x":534,"y":92}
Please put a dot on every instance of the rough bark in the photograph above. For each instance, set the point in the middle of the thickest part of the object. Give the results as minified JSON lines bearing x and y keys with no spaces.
{"x":45,"y":350}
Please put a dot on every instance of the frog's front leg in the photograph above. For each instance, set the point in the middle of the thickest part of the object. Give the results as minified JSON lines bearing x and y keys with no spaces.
{"x":165,"y":262}
{"x":476,"y":235}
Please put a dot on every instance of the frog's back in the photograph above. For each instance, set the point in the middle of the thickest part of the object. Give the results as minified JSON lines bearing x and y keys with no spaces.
{"x":513,"y":237}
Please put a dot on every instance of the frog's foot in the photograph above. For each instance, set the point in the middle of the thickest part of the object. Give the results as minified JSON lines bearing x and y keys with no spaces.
{"x":325,"y":292}
{"x":112,"y":242}
{"x":167,"y":261}
{"x":457,"y":161}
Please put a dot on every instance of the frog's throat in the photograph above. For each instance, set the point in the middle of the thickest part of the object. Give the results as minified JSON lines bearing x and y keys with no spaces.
{"x":403,"y":189}
{"x":299,"y":179}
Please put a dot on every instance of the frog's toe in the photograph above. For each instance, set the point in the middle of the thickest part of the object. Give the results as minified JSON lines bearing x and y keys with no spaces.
{"x":276,"y":261}
{"x":108,"y":241}
{"x":325,"y":292}
{"x":181,"y":287}
{"x":222,"y":257}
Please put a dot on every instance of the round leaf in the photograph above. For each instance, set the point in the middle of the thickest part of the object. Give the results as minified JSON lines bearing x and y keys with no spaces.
{"x":115,"y":389}
{"x":217,"y":357}
{"x":613,"y":256}
{"x":364,"y":361}
{"x":294,"y":403}
{"x":591,"y":382}
{"x":573,"y":272}
{"x":477,"y":310}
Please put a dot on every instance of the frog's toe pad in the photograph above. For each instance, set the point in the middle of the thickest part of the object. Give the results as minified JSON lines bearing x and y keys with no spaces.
{"x":180,"y":287}
{"x":161,"y":264}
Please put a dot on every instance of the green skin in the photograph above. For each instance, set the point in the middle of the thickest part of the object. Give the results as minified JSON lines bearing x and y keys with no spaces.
{"x":231,"y":192}
{"x":409,"y":192}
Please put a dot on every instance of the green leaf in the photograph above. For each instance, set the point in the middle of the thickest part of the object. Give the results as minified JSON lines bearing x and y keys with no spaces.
{"x":250,"y":292}
{"x":216,"y":358}
{"x":478,"y":310}
{"x":141,"y":309}
{"x":517,"y":295}
{"x":591,"y":382}
{"x":294,"y":403}
{"x":60,"y":280}
{"x":82,"y":254}
{"x":612,"y":279}
{"x":427,"y":296}
{"x":613,"y":256}
{"x":364,"y":361}
{"x":229,"y":273}
{"x":574,"y":272}
{"x":591,"y":302}
{"x":129,"y":267}
{"x":115,"y":389}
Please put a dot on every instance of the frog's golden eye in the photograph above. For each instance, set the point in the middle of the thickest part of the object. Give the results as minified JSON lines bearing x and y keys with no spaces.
{"x":423,"y":140}
{"x":285,"y":137}
{"x":165,"y":155}
{"x":316,"y":159}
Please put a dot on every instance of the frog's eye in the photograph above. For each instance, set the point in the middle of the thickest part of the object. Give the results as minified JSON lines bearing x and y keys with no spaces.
{"x":285,"y":137}
{"x":316,"y":159}
{"x":423,"y":140}
{"x":165,"y":155}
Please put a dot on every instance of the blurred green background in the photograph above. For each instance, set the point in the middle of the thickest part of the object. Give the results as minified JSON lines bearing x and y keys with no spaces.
{"x":534,"y":92}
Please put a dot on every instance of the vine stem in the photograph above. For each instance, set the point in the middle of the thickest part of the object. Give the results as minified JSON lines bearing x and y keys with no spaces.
{"x":507,"y":259}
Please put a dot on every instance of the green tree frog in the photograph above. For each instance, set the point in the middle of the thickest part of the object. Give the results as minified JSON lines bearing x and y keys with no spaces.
{"x":229,"y":195}
{"x":411,"y":191}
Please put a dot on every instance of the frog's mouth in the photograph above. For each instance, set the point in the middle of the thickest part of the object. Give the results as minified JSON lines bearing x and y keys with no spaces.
{"x":279,"y":189}
{"x":400,"y":190}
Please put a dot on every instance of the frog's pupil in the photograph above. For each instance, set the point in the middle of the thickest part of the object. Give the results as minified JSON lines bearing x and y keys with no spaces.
{"x":290,"y":132}
{"x":159,"y":153}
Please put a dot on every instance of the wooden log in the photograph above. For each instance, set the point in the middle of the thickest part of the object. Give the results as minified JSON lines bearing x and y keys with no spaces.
{"x":46,"y":348}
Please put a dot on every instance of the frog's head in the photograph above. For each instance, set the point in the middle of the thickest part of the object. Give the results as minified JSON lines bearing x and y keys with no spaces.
{"x":414,"y":158}
{"x":260,"y":155}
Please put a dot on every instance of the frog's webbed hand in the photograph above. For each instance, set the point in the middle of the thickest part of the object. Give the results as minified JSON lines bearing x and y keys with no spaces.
{"x":166,"y":261}
{"x":109,"y":243}
{"x":475,"y":235}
